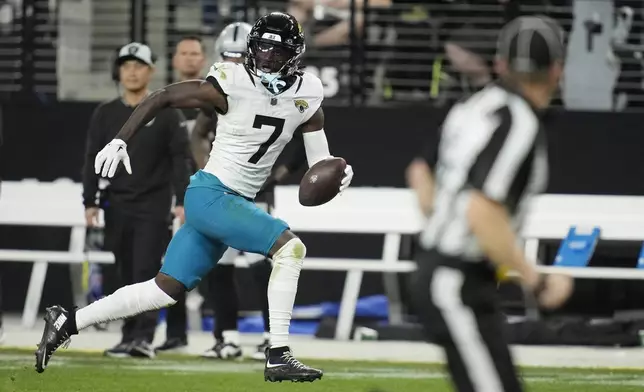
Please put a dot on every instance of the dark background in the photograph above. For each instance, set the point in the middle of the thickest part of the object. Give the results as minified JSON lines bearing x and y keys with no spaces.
{"x":585,"y":154}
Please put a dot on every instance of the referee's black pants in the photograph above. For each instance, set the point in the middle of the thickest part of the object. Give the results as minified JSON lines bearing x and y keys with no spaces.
{"x":138,"y":243}
{"x":458,"y":305}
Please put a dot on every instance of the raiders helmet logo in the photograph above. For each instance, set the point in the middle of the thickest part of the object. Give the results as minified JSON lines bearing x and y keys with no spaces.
{"x":301,"y":105}
{"x":133,"y":49}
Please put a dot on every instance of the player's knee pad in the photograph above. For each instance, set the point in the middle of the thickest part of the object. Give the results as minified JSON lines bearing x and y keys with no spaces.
{"x":293,"y":251}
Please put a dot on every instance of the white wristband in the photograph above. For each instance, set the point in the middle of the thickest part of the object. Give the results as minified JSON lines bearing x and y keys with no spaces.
{"x":316,"y":146}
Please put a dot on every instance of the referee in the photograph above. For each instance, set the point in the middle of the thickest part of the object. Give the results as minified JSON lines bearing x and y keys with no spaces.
{"x":137,"y":207}
{"x":491,"y":159}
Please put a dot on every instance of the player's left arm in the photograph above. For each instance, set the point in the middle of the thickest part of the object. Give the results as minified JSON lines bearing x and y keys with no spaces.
{"x":317,"y":146}
{"x":296,"y":161}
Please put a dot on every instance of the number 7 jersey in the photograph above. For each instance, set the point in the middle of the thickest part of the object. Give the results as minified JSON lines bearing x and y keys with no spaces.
{"x":257,"y":126}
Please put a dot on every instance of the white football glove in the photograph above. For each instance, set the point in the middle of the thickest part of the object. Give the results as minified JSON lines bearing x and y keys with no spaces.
{"x":108,"y":159}
{"x":346,"y":180}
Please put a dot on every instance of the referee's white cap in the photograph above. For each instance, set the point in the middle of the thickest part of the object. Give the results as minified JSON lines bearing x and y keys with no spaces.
{"x":136,"y":51}
{"x":531,"y":43}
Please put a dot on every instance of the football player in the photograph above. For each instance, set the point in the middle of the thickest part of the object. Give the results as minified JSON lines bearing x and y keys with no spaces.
{"x":231,"y":45}
{"x":260,"y":104}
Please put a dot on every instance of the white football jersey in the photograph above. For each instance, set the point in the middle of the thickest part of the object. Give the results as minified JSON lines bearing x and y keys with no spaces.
{"x":257,"y":126}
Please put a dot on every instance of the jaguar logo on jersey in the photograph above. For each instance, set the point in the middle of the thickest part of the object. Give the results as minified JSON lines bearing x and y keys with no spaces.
{"x":301,"y":105}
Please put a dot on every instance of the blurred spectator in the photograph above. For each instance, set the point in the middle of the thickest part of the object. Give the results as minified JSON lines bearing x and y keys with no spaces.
{"x":470,"y":45}
{"x":138,"y":204}
{"x":470,"y":53}
{"x":189,"y":58}
{"x":10,"y":33}
{"x":460,"y":44}
{"x":210,"y":12}
{"x":188,"y":62}
{"x":627,"y":54}
{"x":218,"y":13}
{"x":339,"y":33}
{"x":409,"y":68}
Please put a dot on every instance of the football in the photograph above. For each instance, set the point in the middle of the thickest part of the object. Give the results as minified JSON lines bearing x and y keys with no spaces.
{"x":321,"y":183}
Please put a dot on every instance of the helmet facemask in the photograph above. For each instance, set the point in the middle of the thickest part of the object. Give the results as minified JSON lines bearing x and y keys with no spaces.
{"x":272,"y":58}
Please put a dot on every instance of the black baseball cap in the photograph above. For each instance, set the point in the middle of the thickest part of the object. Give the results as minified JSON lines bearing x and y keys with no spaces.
{"x":531,"y":43}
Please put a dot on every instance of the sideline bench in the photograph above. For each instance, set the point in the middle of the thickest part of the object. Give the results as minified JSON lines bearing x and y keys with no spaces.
{"x":54,"y":204}
{"x":390,"y":212}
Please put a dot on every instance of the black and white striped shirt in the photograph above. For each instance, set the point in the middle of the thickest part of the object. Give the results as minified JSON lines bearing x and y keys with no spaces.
{"x":494,"y":143}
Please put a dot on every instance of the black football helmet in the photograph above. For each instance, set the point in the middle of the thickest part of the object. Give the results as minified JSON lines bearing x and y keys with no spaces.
{"x":275,"y":45}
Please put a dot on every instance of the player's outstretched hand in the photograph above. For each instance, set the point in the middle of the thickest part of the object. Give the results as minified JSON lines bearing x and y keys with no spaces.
{"x":108,"y":159}
{"x":346,"y":180}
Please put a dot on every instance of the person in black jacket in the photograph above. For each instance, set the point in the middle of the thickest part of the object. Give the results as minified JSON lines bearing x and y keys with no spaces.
{"x":137,"y":207}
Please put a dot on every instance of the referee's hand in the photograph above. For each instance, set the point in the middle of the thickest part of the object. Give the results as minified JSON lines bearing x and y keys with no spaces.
{"x":553,"y":290}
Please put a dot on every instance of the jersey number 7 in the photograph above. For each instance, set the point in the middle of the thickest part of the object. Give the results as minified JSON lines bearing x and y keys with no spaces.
{"x":274,"y":122}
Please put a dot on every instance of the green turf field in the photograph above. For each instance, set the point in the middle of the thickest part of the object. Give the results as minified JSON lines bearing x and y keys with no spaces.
{"x":77,"y":372}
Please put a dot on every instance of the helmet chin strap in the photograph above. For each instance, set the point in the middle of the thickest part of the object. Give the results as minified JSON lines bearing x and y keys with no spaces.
{"x":273,"y":80}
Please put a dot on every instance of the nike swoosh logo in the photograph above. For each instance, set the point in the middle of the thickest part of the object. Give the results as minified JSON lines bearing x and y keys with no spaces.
{"x":270,"y":365}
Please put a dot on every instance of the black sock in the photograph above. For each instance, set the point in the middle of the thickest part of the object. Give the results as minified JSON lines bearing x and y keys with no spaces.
{"x":223,"y":292}
{"x":70,"y":326}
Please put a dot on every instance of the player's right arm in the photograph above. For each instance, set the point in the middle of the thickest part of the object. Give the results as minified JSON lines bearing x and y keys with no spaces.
{"x":206,"y":95}
{"x":189,"y":94}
